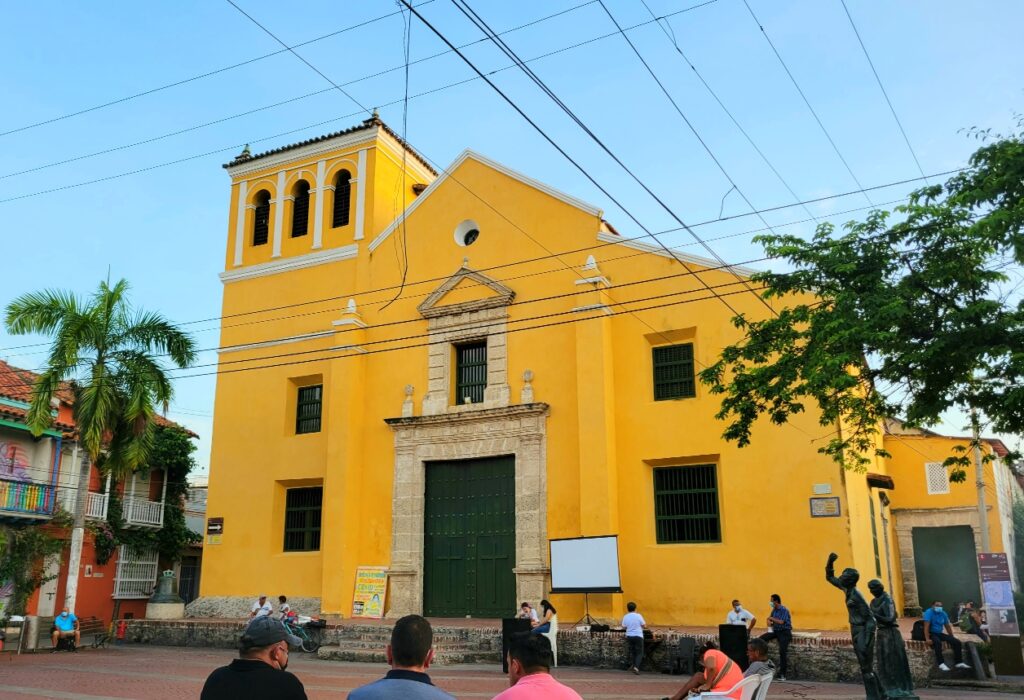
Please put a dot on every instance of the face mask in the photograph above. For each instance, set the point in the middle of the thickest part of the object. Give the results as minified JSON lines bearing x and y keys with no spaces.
{"x":771,"y":605}
{"x":737,"y":608}
{"x":63,"y":614}
{"x":938,"y":608}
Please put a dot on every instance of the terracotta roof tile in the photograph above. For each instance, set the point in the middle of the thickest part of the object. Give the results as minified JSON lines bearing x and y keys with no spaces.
{"x":370,"y":123}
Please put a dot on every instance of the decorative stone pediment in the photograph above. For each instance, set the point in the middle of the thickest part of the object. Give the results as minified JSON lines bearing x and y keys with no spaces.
{"x":466,"y":291}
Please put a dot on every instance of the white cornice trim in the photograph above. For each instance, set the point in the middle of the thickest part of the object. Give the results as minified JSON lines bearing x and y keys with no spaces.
{"x":495,"y":165}
{"x":594,"y":280}
{"x":685,"y":257}
{"x":277,"y":341}
{"x":296,"y":263}
{"x":393,"y":152}
{"x":309,"y":152}
{"x":603,"y":308}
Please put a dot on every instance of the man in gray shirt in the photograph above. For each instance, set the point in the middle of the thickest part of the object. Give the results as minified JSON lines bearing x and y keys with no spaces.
{"x":757,"y":655}
{"x":409,"y":655}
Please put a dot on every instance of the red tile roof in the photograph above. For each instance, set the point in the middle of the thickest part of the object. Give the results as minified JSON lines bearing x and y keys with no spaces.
{"x":16,"y":384}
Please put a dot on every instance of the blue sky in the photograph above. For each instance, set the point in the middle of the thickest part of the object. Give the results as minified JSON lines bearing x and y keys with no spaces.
{"x":946,"y":65}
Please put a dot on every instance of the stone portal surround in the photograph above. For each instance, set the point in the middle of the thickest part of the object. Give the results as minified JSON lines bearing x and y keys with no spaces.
{"x":514,"y":430}
{"x":909,"y":518}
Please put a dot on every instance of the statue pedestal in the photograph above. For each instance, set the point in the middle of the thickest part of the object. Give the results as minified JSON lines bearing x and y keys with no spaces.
{"x":165,"y":611}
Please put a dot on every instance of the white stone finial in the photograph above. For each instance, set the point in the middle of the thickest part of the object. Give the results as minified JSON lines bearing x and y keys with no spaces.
{"x":350,"y":308}
{"x":526,"y":395}
{"x":591,"y":263}
{"x":407,"y":405}
{"x":465,"y":262}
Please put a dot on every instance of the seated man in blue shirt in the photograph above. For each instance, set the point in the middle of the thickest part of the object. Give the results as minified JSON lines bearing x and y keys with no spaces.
{"x":65,"y":625}
{"x":938,"y":630}
{"x":409,"y":654}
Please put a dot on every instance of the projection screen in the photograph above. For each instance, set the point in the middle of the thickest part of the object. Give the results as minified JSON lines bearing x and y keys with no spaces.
{"x":585,"y":565}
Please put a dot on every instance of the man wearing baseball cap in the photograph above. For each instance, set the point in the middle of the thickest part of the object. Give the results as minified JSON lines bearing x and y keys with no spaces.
{"x":259,"y":672}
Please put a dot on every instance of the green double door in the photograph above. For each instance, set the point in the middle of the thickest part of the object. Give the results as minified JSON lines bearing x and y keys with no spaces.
{"x":946,"y":565}
{"x":470,"y":538}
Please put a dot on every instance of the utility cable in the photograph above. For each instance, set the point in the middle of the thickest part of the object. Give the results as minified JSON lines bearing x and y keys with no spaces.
{"x":878,"y":79}
{"x":807,"y":102}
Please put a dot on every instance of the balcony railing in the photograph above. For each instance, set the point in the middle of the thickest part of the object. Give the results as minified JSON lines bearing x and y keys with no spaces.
{"x":96,"y":506}
{"x":26,"y":497}
{"x":140,"y":513}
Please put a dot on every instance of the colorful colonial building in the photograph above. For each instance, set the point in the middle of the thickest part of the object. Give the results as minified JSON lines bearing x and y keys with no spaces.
{"x":439,"y":373}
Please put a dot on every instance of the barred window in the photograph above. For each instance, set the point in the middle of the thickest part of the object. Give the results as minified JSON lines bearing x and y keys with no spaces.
{"x":673,"y":372}
{"x":302,"y":519}
{"x":342,"y":198}
{"x":308,"y":409}
{"x":300,"y":212}
{"x":470,"y":372}
{"x":686,"y":504}
{"x":936,"y":477}
{"x":261,"y":219}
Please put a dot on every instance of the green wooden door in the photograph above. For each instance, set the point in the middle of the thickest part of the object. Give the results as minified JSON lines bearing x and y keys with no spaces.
{"x":946,"y":565}
{"x":470,"y":538}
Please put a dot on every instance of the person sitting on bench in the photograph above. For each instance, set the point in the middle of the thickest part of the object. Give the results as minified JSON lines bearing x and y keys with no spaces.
{"x":65,"y":625}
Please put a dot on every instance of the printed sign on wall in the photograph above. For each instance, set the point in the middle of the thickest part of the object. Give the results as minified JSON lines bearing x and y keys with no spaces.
{"x":370,"y":592}
{"x":825,"y":507}
{"x":997,"y":588}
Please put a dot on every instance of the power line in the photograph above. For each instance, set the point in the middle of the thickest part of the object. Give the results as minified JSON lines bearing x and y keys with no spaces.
{"x":544,"y":134}
{"x":803,"y":96}
{"x":671,"y":37}
{"x":193,"y":78}
{"x":623,"y":240}
{"x":693,"y":129}
{"x":885,"y":94}
{"x":236,"y":146}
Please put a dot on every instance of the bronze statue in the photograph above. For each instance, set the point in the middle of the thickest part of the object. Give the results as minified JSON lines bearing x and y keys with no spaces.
{"x":862,"y":625}
{"x":893,"y":667}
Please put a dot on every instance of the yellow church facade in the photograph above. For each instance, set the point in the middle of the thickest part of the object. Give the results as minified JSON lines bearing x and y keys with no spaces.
{"x":440,"y":373}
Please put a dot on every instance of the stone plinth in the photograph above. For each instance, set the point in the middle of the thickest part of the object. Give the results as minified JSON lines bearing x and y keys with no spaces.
{"x":165,"y":611}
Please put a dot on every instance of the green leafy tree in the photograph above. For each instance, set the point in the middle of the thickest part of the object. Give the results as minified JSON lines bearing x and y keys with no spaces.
{"x":114,"y":356}
{"x":909,"y":318}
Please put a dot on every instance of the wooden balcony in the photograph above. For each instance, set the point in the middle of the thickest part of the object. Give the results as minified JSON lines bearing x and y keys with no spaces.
{"x":25,"y":499}
{"x":139,"y":513}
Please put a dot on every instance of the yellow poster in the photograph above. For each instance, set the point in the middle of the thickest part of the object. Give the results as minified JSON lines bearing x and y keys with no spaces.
{"x":371,"y":590}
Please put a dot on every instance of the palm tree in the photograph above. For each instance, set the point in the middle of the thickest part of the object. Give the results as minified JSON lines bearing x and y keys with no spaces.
{"x":113,"y":358}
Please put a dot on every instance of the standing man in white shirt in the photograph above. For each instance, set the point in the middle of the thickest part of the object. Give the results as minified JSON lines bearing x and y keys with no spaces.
{"x":740,"y":616}
{"x":634,"y":623}
{"x":261,"y":607}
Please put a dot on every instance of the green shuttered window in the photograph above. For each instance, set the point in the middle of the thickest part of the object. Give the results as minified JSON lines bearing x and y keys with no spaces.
{"x":302,"y":519}
{"x":686,"y":504}
{"x":300,"y":210}
{"x":342,"y":199}
{"x":261,"y":219}
{"x":308,"y":409}
{"x":470,"y":372}
{"x":673,"y":372}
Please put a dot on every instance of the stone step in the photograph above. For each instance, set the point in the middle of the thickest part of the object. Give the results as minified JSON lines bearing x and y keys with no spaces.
{"x":379,"y":645}
{"x":442,"y":657}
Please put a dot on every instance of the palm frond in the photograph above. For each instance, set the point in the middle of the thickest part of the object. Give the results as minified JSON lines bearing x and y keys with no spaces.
{"x":40,"y":312}
{"x":151,"y":332}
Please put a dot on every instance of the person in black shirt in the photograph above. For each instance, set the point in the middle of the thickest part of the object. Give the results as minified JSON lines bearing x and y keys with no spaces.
{"x":259,"y":673}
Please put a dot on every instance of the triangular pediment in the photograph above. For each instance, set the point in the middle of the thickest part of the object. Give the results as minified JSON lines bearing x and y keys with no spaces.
{"x":466,"y":290}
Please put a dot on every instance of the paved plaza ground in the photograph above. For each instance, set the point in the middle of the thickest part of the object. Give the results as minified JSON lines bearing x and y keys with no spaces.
{"x":166,"y":673}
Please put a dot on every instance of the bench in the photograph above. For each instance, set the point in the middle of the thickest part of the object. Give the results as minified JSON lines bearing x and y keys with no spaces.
{"x":87,"y":627}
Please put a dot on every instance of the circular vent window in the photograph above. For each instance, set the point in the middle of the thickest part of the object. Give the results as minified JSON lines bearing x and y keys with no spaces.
{"x":466,"y":233}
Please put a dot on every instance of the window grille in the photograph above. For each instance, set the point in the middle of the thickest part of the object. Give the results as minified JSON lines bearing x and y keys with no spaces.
{"x":302,"y":519}
{"x":308,"y":409}
{"x":673,"y":372}
{"x":937,"y":478}
{"x":261,"y":219}
{"x":300,"y":210}
{"x":136,"y":573}
{"x":470,"y":372}
{"x":686,"y":504}
{"x":342,"y":198}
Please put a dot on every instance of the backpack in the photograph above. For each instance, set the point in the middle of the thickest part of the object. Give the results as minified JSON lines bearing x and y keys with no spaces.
{"x":917,"y":633}
{"x":965,"y":623}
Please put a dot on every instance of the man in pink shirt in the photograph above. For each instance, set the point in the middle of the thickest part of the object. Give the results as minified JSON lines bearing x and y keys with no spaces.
{"x":529,"y":671}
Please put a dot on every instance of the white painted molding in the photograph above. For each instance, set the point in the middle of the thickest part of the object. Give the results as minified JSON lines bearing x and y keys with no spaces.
{"x":495,"y":165}
{"x":278,"y":214}
{"x":603,"y":308}
{"x":348,"y":322}
{"x":318,"y":217}
{"x":392,"y":150}
{"x":305,"y":152}
{"x":360,"y":194}
{"x":594,"y":280}
{"x":296,"y":263}
{"x":685,"y":257}
{"x":276,"y":341}
{"x":243,"y":194}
